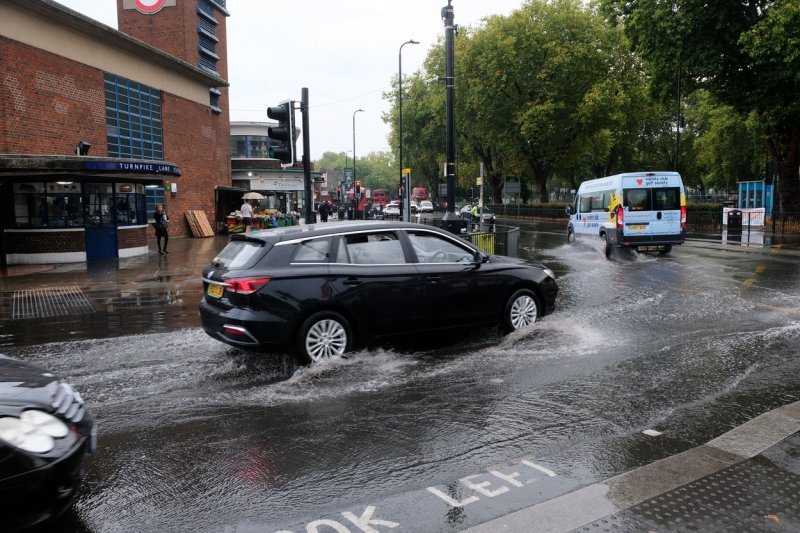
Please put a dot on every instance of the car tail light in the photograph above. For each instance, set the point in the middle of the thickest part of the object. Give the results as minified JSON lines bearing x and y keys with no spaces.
{"x":683,"y":216}
{"x":620,"y":218}
{"x":245,"y":285}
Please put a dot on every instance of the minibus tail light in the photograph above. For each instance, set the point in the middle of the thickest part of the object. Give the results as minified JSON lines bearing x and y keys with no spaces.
{"x":683,"y":216}
{"x":620,"y":218}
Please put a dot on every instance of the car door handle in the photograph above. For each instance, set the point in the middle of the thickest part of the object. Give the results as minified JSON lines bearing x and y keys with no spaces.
{"x":433,"y":279}
{"x":352,"y":282}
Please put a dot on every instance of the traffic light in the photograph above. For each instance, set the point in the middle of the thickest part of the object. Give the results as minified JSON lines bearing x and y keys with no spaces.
{"x":283,"y":132}
{"x":358,"y":187}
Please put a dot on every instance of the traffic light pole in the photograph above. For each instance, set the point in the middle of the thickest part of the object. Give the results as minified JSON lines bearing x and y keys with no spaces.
{"x":451,"y":221}
{"x":308,"y":196}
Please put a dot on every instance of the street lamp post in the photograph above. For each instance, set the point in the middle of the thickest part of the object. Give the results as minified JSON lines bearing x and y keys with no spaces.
{"x":355,"y":200}
{"x":400,"y":116}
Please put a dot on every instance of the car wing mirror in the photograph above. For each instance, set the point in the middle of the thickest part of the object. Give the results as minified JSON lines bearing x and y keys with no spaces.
{"x":480,"y":257}
{"x":568,"y":210}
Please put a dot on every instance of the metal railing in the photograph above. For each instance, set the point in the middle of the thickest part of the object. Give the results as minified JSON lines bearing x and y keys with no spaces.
{"x":495,"y":239}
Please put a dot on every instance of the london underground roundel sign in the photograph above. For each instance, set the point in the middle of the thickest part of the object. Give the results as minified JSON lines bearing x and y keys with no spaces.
{"x":148,"y":7}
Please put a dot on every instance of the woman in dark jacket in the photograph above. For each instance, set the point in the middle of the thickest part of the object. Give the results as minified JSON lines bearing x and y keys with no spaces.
{"x":162,"y":225}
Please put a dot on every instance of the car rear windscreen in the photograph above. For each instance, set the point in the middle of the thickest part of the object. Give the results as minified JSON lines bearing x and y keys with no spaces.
{"x":656,"y":199}
{"x":238,"y":254}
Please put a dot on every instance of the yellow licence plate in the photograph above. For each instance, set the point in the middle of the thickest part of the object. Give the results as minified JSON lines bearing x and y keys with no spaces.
{"x":637,"y":226}
{"x":215,"y":291}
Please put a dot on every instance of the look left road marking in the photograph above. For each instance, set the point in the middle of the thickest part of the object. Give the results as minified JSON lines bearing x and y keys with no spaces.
{"x":483,"y":487}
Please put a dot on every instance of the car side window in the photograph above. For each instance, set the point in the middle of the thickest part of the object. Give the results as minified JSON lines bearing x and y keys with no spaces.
{"x":380,"y":248}
{"x":314,"y":251}
{"x":431,"y":248}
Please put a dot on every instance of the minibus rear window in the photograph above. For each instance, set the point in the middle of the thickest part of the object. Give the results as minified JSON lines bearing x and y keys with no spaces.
{"x":656,"y":199}
{"x":637,"y":199}
{"x":668,"y":198}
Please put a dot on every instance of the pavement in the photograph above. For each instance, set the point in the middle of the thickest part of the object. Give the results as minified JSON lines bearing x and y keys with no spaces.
{"x":747,"y":479}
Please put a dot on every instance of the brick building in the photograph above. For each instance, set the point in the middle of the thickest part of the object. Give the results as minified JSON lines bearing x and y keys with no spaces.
{"x":98,"y":125}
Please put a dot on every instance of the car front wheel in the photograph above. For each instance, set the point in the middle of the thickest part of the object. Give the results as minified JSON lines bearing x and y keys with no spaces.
{"x":521,"y":310}
{"x":322,"y":336}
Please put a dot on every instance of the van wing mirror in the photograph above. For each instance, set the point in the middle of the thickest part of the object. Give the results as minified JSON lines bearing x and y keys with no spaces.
{"x":568,"y":210}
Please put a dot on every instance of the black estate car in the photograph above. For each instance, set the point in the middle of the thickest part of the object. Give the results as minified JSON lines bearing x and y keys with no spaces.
{"x":323,"y":289}
{"x":45,"y":434}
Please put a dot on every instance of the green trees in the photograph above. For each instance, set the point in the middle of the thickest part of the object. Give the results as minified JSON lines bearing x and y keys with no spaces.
{"x":562,"y":90}
{"x":746,"y":54}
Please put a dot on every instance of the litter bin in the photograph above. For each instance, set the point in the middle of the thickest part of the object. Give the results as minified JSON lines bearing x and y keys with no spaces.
{"x":734,"y":220}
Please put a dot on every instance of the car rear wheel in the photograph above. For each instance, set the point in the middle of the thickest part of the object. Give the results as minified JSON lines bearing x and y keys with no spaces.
{"x":571,"y":235}
{"x":322,"y":336}
{"x":667,"y":249}
{"x":607,"y":244}
{"x":521,"y":310}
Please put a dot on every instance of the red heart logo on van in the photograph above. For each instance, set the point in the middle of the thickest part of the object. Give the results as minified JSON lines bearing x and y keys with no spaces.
{"x":639,"y":181}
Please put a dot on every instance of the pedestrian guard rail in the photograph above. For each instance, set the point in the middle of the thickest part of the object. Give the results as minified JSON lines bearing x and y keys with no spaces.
{"x":495,"y":239}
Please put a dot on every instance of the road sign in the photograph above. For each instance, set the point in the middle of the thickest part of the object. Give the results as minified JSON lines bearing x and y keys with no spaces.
{"x":479,"y":181}
{"x":512,"y":187}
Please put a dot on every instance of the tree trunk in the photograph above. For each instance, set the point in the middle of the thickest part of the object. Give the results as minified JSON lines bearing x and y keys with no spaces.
{"x":789,"y":188}
{"x":788,"y":165}
{"x":541,"y":180}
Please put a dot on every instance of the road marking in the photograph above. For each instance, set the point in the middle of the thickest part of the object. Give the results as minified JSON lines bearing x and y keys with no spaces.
{"x":539,"y":468}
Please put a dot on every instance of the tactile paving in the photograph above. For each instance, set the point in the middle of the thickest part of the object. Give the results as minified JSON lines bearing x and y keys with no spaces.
{"x":755,"y":495}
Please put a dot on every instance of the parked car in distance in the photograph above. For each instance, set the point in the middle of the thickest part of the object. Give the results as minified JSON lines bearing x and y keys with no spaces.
{"x":392,"y":210}
{"x":323,"y":290}
{"x":413,"y":206}
{"x":486,"y":214}
{"x":426,"y":206}
{"x":376,"y":212}
{"x":45,"y":434}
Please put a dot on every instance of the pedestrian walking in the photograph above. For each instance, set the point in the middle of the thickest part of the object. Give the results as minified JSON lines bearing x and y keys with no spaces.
{"x":162,"y":228}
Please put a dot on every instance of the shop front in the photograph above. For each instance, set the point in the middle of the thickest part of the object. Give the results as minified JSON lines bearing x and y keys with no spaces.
{"x":65,"y":210}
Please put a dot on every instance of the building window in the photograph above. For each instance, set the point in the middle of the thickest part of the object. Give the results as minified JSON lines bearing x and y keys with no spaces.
{"x":154,"y":196}
{"x":66,"y":204}
{"x":250,"y":146}
{"x":214,"y":100}
{"x":133,"y":119}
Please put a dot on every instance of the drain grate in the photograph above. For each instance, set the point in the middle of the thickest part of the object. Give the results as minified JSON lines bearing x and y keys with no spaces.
{"x":43,"y":303}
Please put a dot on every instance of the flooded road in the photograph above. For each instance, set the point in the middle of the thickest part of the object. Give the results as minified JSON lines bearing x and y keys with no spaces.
{"x":195,"y":435}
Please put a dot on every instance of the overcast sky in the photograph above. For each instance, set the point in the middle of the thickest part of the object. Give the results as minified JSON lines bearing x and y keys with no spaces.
{"x":345,"y":52}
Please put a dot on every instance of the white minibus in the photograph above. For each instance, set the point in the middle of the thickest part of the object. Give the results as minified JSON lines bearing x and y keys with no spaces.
{"x":643,"y":211}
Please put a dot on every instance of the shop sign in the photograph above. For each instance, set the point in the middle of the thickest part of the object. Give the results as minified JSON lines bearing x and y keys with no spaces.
{"x":132,"y":168}
{"x":277,"y":184}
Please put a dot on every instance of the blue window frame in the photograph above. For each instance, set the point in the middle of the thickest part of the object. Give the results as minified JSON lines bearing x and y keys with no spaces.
{"x":133,"y":119}
{"x":154,"y":196}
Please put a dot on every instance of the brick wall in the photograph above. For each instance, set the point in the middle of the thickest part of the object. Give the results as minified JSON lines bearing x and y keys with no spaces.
{"x":198,"y":138}
{"x":49,"y":103}
{"x":173,"y":29}
{"x":131,"y":237}
{"x":37,"y":242}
